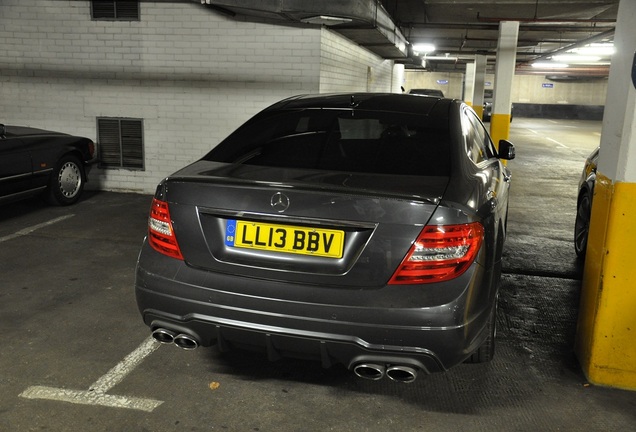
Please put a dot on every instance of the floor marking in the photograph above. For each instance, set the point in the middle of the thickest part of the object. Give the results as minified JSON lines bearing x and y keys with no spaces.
{"x":96,"y":394}
{"x":29,"y":230}
{"x":557,"y":143}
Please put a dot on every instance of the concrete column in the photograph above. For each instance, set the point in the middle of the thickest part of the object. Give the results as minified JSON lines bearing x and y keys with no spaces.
{"x":469,"y":84}
{"x":480,"y":79}
{"x":606,"y":334}
{"x":397,"y":78}
{"x":504,"y":73}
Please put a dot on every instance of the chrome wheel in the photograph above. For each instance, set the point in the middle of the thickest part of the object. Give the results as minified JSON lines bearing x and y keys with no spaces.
{"x":70,"y":179}
{"x":66,"y":182}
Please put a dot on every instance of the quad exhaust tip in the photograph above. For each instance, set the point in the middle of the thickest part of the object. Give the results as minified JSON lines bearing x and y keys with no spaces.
{"x":404,"y":374}
{"x":181,"y":340}
{"x":370,"y":371}
{"x":375,"y":372}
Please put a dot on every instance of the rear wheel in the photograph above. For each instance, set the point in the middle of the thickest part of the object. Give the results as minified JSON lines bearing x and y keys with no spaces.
{"x":67,"y":181}
{"x":486,"y":352}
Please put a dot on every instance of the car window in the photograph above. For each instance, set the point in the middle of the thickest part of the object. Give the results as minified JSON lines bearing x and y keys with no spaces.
{"x":479,"y":147}
{"x":341,"y":140}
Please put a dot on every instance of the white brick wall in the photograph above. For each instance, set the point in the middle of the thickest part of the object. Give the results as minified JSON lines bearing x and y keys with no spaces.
{"x":525,"y":88}
{"x":344,"y":67}
{"x":191,"y":74}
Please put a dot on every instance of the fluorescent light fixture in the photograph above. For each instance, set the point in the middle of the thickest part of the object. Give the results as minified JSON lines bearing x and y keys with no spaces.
{"x":424,"y":48}
{"x":596,"y":49}
{"x":446,"y":57}
{"x":326,"y":20}
{"x":576,"y":58}
{"x":549,"y":65}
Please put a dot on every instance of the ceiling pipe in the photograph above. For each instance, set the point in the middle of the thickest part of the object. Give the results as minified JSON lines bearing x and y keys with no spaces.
{"x":547,"y":20}
{"x":604,"y":35}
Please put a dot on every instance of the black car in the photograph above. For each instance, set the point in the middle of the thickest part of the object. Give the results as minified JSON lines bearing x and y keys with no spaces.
{"x":427,"y":92}
{"x":362,"y":229}
{"x":35,"y":161}
{"x":584,"y":204}
{"x":488,"y":99}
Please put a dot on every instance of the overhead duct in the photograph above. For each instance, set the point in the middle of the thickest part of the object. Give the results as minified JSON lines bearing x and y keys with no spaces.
{"x":365,"y":22}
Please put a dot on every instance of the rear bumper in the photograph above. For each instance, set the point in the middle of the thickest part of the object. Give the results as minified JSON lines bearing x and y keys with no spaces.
{"x":219,"y":309}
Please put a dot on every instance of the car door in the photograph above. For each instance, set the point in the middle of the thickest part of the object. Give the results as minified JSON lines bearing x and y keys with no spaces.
{"x":15,"y":167}
{"x":483,"y":153}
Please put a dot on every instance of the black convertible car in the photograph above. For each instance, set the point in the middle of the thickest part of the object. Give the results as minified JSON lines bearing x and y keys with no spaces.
{"x":362,"y":229}
{"x":36,"y":161}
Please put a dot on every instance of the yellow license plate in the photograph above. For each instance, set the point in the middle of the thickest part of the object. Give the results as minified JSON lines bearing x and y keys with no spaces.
{"x":285,"y":238}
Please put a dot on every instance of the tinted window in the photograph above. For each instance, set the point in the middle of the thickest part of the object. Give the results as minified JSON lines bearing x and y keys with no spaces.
{"x":478,"y":144}
{"x":341,"y":140}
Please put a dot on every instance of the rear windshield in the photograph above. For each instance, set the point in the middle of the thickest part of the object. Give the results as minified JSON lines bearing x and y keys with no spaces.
{"x":341,"y":140}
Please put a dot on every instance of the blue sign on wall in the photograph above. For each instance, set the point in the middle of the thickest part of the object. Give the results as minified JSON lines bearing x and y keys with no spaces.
{"x":442,"y":82}
{"x":547,"y":85}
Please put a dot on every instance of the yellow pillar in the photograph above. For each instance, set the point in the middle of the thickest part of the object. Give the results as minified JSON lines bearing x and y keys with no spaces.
{"x":606,"y":334}
{"x":504,"y":73}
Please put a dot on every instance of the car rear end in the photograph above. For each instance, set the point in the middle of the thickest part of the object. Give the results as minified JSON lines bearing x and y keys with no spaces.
{"x":321,"y":244}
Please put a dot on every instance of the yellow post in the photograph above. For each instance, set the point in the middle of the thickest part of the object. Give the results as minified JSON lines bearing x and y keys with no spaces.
{"x":606,"y":335}
{"x":499,"y":127}
{"x":504,"y":74}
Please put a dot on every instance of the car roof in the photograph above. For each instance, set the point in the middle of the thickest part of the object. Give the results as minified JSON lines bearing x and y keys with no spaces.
{"x":392,"y":102}
{"x":23,"y":131}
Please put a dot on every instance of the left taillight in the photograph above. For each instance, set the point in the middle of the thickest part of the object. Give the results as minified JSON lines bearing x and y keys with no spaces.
{"x":91,"y":149}
{"x":440,"y":253}
{"x":160,"y":232}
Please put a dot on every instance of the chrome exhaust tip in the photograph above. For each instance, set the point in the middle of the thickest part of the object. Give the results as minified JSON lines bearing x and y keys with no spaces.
{"x":404,"y":374}
{"x":369,"y":371}
{"x":186,"y":342}
{"x":164,"y":336}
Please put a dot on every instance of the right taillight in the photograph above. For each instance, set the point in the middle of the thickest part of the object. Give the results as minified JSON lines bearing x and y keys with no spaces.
{"x":160,"y":232}
{"x":440,"y":253}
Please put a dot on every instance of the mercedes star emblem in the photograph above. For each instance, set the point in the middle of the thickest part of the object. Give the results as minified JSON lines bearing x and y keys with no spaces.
{"x":280,"y":202}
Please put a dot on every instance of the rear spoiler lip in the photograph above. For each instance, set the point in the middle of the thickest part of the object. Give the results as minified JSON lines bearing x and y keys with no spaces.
{"x":310,"y":186}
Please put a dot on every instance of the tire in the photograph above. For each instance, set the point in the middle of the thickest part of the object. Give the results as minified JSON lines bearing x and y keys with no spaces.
{"x":486,"y":352}
{"x":582,"y":223}
{"x":67,"y":181}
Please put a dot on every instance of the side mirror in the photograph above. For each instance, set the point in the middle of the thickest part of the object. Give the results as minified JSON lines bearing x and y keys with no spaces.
{"x":2,"y":130}
{"x":506,"y":150}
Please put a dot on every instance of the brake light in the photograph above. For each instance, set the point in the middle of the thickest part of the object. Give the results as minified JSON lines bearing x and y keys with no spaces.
{"x":160,"y":232}
{"x":91,"y":149}
{"x":440,"y":253}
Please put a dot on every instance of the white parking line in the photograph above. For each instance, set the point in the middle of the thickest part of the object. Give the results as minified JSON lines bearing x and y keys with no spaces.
{"x":96,"y":394}
{"x":29,"y":230}
{"x":557,"y":143}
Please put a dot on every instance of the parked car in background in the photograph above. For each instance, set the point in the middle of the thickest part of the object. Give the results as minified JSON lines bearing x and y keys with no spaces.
{"x":584,"y":203}
{"x":427,"y":92}
{"x":35,"y":161}
{"x":488,"y":101}
{"x":362,"y":229}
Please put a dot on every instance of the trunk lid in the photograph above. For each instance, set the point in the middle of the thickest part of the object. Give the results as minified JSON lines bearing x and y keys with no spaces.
{"x":345,"y":229}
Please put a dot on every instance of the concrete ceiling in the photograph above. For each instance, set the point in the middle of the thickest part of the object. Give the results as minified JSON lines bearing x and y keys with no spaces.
{"x":459,"y":29}
{"x":463,"y":28}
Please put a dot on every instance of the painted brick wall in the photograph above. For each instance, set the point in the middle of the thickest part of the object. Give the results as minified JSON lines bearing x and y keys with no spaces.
{"x":525,"y":88}
{"x":191,"y":74}
{"x":344,"y":67}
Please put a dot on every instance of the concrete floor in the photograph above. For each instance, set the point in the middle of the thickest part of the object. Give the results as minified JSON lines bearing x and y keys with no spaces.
{"x":71,"y":331}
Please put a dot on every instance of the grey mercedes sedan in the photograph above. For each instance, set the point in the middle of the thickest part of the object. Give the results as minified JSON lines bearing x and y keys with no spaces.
{"x":361,"y":229}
